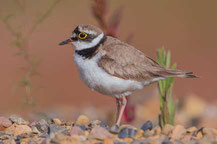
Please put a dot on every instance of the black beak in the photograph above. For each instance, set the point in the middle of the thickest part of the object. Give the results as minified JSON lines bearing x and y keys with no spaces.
{"x":65,"y":42}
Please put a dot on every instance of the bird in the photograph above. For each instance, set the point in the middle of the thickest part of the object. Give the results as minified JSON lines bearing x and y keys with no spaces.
{"x":113,"y":67}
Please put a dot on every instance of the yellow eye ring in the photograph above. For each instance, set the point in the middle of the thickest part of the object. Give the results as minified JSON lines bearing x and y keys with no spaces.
{"x":82,"y":35}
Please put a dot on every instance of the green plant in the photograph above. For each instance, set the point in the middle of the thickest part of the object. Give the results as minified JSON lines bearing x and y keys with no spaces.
{"x":167,"y":104}
{"x":22,"y":32}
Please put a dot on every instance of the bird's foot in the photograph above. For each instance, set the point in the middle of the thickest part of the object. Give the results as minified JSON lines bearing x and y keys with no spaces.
{"x":115,"y":129}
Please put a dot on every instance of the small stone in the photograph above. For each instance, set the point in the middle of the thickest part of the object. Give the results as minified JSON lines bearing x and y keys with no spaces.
{"x":205,"y":131}
{"x":5,"y":122}
{"x":9,"y":141}
{"x":166,"y":142}
{"x":42,"y":122}
{"x":83,"y":120}
{"x":18,"y":120}
{"x":177,"y":132}
{"x":148,"y":133}
{"x":95,"y":123}
{"x":33,"y":123}
{"x":10,"y":130}
{"x":42,"y":128}
{"x":104,"y":125}
{"x":187,"y":138}
{"x":24,"y":141}
{"x":35,"y":130}
{"x":83,"y":127}
{"x":191,"y":130}
{"x":127,"y":132}
{"x":32,"y":142}
{"x":147,"y":126}
{"x":157,"y":130}
{"x":55,"y":129}
{"x":21,"y":129}
{"x":99,"y":133}
{"x":118,"y":141}
{"x":76,"y":130}
{"x":140,"y":142}
{"x":199,"y":135}
{"x":86,"y":133}
{"x":128,"y":140}
{"x":139,"y":134}
{"x":167,"y":129}
{"x":57,"y":121}
{"x":108,"y":141}
{"x":114,"y":129}
{"x":4,"y":136}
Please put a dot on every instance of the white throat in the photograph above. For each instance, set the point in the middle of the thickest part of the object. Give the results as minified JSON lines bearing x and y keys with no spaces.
{"x":80,"y":45}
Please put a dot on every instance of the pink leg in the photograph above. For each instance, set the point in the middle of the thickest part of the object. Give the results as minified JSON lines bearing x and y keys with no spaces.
{"x":122,"y":104}
{"x":118,"y":104}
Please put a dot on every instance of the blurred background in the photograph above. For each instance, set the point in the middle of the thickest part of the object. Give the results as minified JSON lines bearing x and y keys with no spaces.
{"x":40,"y":79}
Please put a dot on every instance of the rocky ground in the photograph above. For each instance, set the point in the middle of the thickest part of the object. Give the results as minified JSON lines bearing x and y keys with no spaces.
{"x":55,"y":131}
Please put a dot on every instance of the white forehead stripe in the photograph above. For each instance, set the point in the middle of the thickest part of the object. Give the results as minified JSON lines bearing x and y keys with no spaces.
{"x":79,"y":45}
{"x":90,"y":32}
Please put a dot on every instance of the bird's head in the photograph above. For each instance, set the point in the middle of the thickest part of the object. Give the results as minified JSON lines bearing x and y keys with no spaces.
{"x":84,"y":36}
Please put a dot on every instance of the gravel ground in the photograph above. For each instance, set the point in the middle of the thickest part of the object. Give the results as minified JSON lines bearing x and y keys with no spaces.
{"x":16,"y":130}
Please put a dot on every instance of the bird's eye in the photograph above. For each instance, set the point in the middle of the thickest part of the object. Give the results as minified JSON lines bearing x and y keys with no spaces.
{"x":82,"y":35}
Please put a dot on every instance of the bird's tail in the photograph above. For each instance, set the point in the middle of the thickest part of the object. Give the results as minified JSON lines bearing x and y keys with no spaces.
{"x":179,"y":73}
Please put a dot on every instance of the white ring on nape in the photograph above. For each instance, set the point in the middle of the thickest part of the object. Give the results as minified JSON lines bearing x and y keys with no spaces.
{"x":80,"y":45}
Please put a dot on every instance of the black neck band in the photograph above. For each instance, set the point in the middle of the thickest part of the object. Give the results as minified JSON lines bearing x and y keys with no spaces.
{"x":90,"y":52}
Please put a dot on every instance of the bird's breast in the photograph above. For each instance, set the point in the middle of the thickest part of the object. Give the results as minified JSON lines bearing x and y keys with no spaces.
{"x":97,"y":79}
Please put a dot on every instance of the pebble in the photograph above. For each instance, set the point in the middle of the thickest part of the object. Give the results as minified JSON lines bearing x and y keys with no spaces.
{"x":191,"y":130}
{"x":157,"y":130}
{"x":21,"y":129}
{"x":5,"y":122}
{"x":177,"y":132}
{"x":99,"y":133}
{"x":127,"y":132}
{"x":95,"y":132}
{"x":199,"y":135}
{"x":108,"y":141}
{"x":167,"y":129}
{"x":115,"y":129}
{"x":83,"y":127}
{"x":9,"y":141}
{"x":57,"y":121}
{"x":140,"y":142}
{"x":18,"y":120}
{"x":55,"y":129}
{"x":42,"y":122}
{"x":147,"y":126}
{"x":76,"y":130}
{"x":116,"y":141}
{"x":83,"y":120}
{"x":148,"y":133}
{"x":99,"y":123}
{"x":4,"y":136}
{"x":42,"y":128}
{"x":166,"y":142}
{"x":206,"y":131}
{"x":35,"y":130}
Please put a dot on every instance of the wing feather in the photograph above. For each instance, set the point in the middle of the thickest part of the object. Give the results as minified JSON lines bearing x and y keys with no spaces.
{"x":123,"y":60}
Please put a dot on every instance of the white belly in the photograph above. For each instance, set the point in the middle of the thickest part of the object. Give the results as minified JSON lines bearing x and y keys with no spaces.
{"x":97,"y":79}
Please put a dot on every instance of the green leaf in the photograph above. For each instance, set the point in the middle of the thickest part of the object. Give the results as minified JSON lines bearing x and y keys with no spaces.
{"x":168,"y":59}
{"x":167,"y":105}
